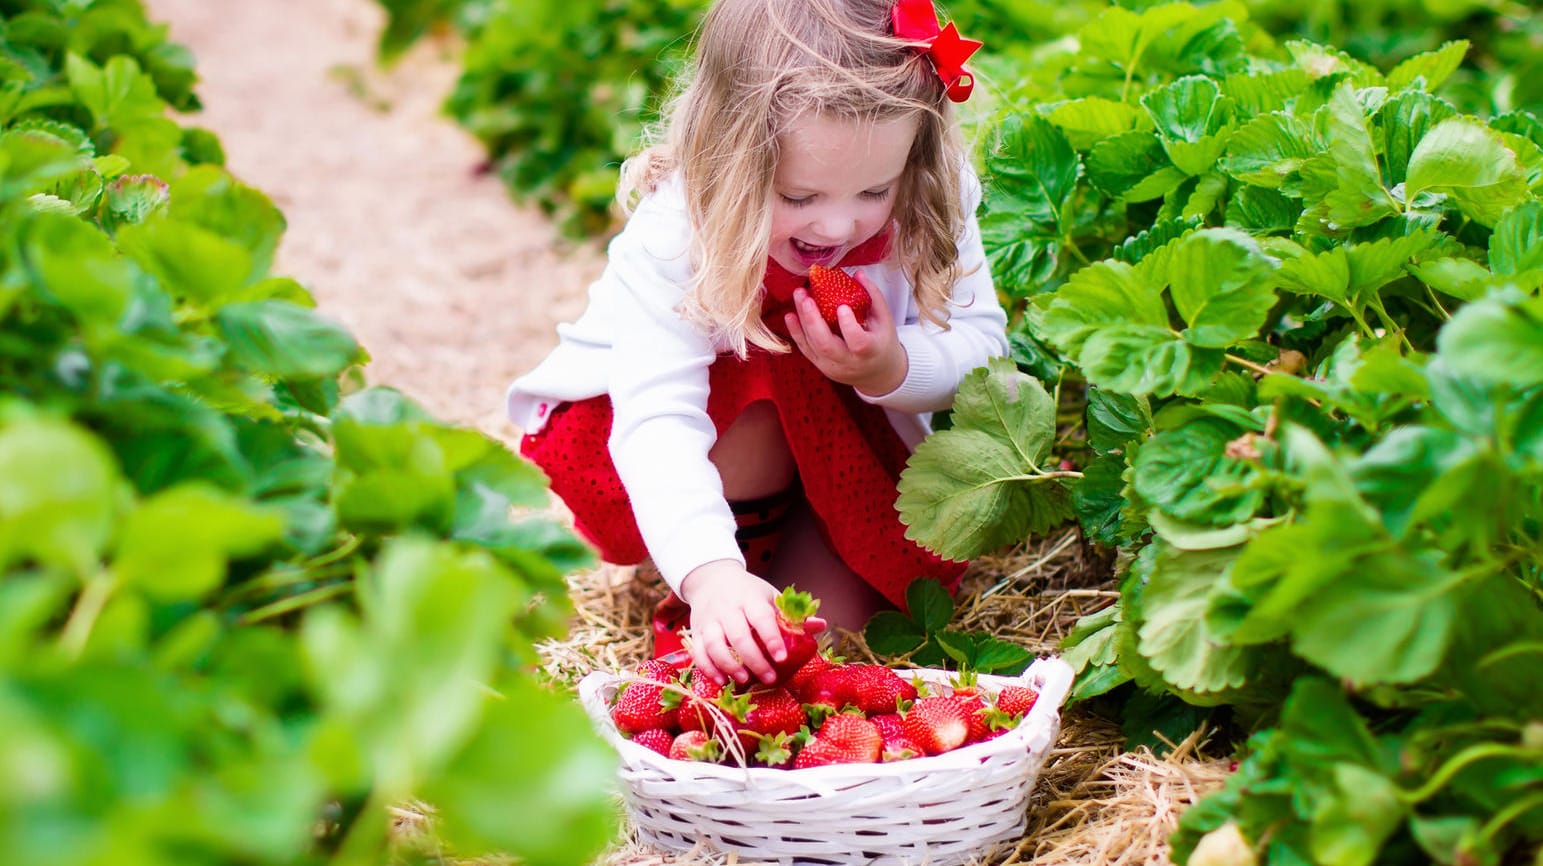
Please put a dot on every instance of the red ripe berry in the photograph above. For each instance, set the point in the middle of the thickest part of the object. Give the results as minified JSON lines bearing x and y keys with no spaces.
{"x":693,"y":715}
{"x":657,"y":739}
{"x":889,"y":724}
{"x":899,"y":749}
{"x":834,"y":688}
{"x":648,"y":702}
{"x":695,"y":746}
{"x":975,"y":710}
{"x":937,"y":724}
{"x":858,"y":739}
{"x":833,"y":288}
{"x":1016,"y":700}
{"x":812,"y":668}
{"x":817,"y":753}
{"x":773,"y":710}
{"x":793,"y":609}
{"x":880,"y":689}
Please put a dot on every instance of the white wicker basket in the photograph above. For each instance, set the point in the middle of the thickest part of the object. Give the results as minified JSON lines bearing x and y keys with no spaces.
{"x":943,"y":810}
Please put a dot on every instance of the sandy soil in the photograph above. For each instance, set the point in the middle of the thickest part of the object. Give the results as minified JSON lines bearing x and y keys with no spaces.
{"x":452,"y":287}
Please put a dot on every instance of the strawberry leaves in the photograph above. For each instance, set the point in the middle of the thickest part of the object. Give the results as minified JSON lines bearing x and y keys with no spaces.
{"x":983,"y":483}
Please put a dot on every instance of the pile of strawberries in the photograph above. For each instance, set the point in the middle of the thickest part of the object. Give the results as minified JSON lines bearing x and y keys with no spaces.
{"x":822,"y":712}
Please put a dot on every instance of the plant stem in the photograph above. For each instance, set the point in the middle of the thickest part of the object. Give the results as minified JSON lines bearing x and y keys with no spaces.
{"x":1460,"y":761}
{"x":295,"y":602}
{"x":89,"y":605}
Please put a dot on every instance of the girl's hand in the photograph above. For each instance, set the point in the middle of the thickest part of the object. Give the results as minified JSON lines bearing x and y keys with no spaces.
{"x":734,"y":622}
{"x":868,"y":357}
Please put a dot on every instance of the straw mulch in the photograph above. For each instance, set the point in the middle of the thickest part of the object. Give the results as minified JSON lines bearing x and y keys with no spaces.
{"x":1094,"y":803}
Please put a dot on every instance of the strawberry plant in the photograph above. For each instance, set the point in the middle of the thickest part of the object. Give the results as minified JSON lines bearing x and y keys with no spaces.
{"x":1285,"y":307}
{"x":245,"y":606}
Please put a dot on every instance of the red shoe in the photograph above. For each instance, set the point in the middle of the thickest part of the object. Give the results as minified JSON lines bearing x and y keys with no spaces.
{"x":671,"y":616}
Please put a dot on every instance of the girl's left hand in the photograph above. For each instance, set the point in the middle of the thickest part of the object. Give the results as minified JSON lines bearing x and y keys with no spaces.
{"x":869,"y":357}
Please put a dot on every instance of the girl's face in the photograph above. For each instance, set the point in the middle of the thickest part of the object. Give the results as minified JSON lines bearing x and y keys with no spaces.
{"x":835,"y":186}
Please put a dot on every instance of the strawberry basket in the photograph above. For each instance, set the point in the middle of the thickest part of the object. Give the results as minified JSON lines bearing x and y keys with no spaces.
{"x":940,"y":810}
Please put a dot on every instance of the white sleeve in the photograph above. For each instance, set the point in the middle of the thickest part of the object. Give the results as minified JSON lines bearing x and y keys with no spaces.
{"x":658,"y":386}
{"x":939,"y":359}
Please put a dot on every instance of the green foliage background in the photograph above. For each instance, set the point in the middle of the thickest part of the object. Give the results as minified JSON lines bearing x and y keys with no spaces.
{"x":244,"y":605}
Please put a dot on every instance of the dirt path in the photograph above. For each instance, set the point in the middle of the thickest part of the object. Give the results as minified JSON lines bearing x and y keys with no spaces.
{"x":451,"y":287}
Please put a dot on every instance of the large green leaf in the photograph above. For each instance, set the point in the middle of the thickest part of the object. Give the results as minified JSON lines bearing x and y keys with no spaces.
{"x":1222,"y":285}
{"x":981,"y":484}
{"x":1468,"y":161}
{"x":176,"y":545}
{"x":1497,"y":340}
{"x":286,"y":341}
{"x":1175,"y":635}
{"x":60,"y":494}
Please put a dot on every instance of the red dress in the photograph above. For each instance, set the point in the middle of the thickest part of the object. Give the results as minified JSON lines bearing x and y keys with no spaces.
{"x":849,"y":458}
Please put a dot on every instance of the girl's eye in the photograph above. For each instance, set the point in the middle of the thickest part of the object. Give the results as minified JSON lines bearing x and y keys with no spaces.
{"x":796,"y":202}
{"x":877,"y":194}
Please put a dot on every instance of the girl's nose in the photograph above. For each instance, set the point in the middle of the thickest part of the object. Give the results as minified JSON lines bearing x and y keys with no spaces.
{"x":835,"y":228}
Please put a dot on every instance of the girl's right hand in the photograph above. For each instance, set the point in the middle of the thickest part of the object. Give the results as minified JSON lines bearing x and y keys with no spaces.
{"x":733,"y":622}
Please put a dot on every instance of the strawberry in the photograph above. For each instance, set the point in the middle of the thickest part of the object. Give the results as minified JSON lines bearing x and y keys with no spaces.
{"x":857,"y":738}
{"x":793,"y":609}
{"x":937,"y":724}
{"x":657,"y":739}
{"x":975,"y":710}
{"x":879,"y":689}
{"x":775,"y":751}
{"x":833,"y":288}
{"x":833,"y":688}
{"x":897,"y":746}
{"x":773,"y":710}
{"x":693,"y":715}
{"x":695,"y":746}
{"x":648,"y":702}
{"x":817,"y":753}
{"x":812,"y":668}
{"x":1016,"y":700}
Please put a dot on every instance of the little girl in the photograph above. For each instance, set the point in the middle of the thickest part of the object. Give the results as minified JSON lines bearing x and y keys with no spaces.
{"x":701,"y":411}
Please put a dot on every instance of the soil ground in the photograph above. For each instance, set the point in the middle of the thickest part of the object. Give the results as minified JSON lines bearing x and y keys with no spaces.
{"x":393,"y":226}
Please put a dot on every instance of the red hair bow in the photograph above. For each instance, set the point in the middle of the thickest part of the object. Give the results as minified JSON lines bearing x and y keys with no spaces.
{"x":917,"y":21}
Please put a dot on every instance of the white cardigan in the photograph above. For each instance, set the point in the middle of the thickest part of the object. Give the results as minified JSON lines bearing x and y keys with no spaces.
{"x":630,"y":343}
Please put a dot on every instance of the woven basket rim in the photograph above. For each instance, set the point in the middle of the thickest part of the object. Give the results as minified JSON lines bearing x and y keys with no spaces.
{"x":1050,"y":676}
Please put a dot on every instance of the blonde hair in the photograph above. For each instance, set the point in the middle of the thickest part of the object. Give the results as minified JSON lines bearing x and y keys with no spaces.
{"x":760,"y":65}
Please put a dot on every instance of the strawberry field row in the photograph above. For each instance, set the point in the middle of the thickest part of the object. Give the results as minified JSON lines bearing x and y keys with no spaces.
{"x":238,"y":592}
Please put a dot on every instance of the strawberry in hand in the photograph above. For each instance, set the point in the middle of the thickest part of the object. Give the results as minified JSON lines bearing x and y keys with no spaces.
{"x":797,"y":628}
{"x":832,"y":289}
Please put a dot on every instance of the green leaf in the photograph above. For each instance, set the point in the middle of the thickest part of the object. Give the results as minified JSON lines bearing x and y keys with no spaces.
{"x":1174,"y":634}
{"x":1115,"y":419}
{"x":569,"y":781}
{"x":176,"y":545}
{"x":892,"y":633}
{"x":1193,"y":122}
{"x":1497,"y":340}
{"x":407,"y":676}
{"x":1033,"y":169}
{"x":1468,"y":161}
{"x":1222,"y":285}
{"x":1132,"y":167}
{"x":1091,"y":119}
{"x":1268,"y":149}
{"x":1097,"y":296}
{"x":930,"y":605}
{"x":60,"y":496}
{"x":115,"y":93}
{"x":193,"y":264}
{"x":1516,"y":246}
{"x":1187,"y":473}
{"x":980,"y":485}
{"x":1357,"y":197}
{"x":74,"y":262}
{"x":1143,"y":359}
{"x":1405,"y":119}
{"x":286,"y":341}
{"x":1430,"y":68}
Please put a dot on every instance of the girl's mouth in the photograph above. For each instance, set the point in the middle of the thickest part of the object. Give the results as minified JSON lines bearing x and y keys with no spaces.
{"x":809,"y":255}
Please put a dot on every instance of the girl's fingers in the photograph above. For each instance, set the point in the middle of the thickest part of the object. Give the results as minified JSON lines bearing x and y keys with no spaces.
{"x":879,"y":314}
{"x":751,"y":659}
